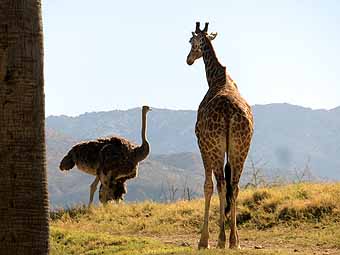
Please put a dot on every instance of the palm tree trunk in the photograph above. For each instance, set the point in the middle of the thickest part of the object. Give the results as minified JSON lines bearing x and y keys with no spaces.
{"x":23,"y":183}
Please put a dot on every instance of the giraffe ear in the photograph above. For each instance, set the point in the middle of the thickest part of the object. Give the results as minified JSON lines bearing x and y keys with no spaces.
{"x":212,"y":36}
{"x":193,"y":33}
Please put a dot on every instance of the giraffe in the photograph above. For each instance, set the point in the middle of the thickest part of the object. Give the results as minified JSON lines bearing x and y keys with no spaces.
{"x":224,"y":130}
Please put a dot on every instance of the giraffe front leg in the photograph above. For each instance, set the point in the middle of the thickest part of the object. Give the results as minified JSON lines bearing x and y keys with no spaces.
{"x":208,"y":190}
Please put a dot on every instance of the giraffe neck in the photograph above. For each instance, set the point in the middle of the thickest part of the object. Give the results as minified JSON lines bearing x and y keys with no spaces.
{"x":215,"y":72}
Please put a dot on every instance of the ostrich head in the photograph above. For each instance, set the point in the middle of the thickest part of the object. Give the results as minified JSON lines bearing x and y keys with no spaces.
{"x":146,"y":109}
{"x":116,"y":192}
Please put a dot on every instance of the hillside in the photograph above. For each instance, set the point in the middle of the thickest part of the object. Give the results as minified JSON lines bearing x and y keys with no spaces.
{"x":294,"y":219}
{"x":287,"y":138}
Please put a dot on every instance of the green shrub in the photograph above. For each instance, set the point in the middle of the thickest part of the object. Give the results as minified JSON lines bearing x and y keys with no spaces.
{"x":243,"y":217}
{"x":318,"y":211}
{"x":270,"y":207}
{"x":259,"y":196}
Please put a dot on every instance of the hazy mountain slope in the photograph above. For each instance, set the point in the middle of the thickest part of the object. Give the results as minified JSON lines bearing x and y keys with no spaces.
{"x":156,"y":178}
{"x":155,"y":181}
{"x":285,"y":137}
{"x":165,"y":127}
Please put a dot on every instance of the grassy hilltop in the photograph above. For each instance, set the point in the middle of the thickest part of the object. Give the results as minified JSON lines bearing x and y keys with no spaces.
{"x":293,"y":219}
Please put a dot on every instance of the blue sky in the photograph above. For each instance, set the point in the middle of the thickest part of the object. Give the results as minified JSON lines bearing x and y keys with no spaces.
{"x":104,"y":55}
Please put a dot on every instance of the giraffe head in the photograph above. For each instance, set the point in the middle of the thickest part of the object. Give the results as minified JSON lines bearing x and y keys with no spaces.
{"x":197,"y":42}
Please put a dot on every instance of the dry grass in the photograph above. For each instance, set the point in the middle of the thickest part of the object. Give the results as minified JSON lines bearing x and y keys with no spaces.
{"x":280,"y":219}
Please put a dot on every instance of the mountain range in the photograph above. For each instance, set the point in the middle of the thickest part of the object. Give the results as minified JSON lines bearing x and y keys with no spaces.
{"x":287,"y":139}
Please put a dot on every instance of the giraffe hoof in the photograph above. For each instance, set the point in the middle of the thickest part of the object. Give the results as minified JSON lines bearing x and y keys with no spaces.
{"x":221,"y":244}
{"x":235,"y":246}
{"x":203,"y":245}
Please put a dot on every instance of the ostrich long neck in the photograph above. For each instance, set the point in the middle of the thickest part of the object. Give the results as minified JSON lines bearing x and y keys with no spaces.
{"x":144,"y":128}
{"x":141,"y":152}
{"x":215,"y":72}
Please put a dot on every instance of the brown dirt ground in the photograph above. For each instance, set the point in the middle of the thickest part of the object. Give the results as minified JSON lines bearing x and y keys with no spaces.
{"x":192,"y":241}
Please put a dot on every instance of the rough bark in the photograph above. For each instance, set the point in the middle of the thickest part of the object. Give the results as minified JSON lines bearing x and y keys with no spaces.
{"x":23,"y":183}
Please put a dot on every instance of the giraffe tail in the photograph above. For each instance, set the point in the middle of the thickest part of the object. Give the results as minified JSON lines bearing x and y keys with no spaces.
{"x":67,"y":162}
{"x":229,"y":190}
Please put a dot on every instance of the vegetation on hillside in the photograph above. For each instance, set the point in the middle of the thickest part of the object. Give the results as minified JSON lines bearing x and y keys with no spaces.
{"x":299,"y":218}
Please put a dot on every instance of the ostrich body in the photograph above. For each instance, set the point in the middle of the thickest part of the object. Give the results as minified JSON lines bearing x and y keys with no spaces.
{"x":119,"y":161}
{"x":114,"y":155}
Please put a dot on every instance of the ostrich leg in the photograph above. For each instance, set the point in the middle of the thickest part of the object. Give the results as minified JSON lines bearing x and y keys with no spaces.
{"x":93,"y":189}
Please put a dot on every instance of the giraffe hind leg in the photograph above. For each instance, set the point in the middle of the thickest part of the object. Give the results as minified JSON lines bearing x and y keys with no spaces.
{"x":208,"y":191}
{"x":221,"y":187}
{"x":215,"y":158}
{"x":237,"y":159}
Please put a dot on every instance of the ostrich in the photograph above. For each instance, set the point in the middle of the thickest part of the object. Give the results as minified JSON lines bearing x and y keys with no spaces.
{"x":114,"y":155}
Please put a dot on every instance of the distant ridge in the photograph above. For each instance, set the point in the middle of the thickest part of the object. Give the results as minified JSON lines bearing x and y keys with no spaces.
{"x":286,"y":138}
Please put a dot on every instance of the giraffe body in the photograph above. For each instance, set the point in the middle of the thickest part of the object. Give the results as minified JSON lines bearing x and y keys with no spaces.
{"x":224,"y":130}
